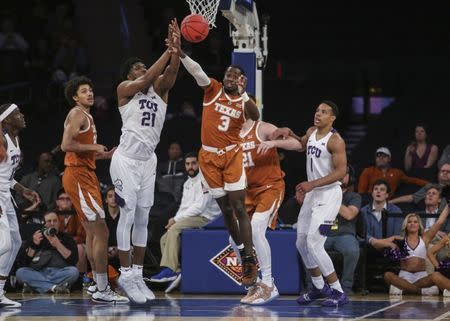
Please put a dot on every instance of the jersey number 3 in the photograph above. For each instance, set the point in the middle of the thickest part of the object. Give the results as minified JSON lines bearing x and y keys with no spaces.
{"x":223,"y":127}
{"x":148,"y":119}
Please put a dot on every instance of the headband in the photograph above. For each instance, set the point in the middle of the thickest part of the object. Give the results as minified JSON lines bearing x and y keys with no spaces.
{"x":7,"y":112}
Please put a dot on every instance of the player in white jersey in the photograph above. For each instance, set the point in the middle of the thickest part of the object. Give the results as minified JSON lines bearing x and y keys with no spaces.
{"x":142,"y":97}
{"x":326,"y":165}
{"x":12,"y":122}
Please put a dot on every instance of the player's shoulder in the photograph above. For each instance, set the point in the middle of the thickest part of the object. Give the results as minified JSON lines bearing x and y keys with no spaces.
{"x":310,"y":130}
{"x":336,"y":139}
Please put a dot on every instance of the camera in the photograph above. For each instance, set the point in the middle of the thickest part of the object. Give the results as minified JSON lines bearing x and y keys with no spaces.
{"x":49,"y":231}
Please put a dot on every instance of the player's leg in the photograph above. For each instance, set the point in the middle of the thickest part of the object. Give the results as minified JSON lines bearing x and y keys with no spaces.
{"x":9,"y":228}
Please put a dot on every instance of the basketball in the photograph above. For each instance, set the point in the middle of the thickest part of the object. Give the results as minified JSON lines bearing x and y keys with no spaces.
{"x":194,"y":28}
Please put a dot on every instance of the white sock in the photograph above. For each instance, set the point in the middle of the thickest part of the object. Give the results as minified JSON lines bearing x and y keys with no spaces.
{"x":337,"y":286}
{"x":102,"y":281}
{"x":318,"y":282}
{"x":137,"y":270}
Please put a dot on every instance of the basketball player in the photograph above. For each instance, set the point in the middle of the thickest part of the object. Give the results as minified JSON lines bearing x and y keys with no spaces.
{"x":220,"y":157}
{"x":326,"y":165}
{"x":12,"y":122}
{"x":265,"y":193}
{"x":81,"y":184}
{"x":142,"y":96}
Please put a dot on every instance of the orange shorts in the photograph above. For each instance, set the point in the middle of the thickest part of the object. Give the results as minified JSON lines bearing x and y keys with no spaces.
{"x":83,"y":188}
{"x":265,"y":198}
{"x":222,"y":172}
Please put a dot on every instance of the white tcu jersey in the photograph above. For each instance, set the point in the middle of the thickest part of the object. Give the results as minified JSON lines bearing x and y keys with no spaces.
{"x":142,"y":123}
{"x":319,"y":162}
{"x":8,"y":168}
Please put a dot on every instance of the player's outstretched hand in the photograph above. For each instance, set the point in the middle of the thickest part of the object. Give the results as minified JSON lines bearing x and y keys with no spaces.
{"x":106,"y":154}
{"x":281,"y":133}
{"x":265,"y":146}
{"x":304,"y":187}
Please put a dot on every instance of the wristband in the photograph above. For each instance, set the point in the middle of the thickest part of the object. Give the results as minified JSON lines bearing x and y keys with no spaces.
{"x":245,"y":97}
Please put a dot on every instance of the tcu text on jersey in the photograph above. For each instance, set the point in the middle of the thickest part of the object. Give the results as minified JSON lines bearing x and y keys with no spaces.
{"x":313,"y":150}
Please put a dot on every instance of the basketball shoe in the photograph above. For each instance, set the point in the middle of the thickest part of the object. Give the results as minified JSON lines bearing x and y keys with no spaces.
{"x":314,"y":294}
{"x":336,"y":299}
{"x":109,"y":296}
{"x":129,"y":286}
{"x":263,"y":294}
{"x":143,"y":288}
{"x":165,"y":275}
{"x":8,"y":303}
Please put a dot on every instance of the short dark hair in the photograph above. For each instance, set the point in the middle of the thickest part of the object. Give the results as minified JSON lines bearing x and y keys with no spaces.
{"x":333,"y":107}
{"x":72,"y":87}
{"x":237,"y":67}
{"x":383,"y":182}
{"x":126,"y":67}
{"x":191,"y":154}
{"x":61,"y":191}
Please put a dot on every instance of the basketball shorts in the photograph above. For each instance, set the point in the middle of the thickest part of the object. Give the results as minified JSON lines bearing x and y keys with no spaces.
{"x":134,"y":180}
{"x":83,"y":188}
{"x":222,"y":171}
{"x":266,"y":198}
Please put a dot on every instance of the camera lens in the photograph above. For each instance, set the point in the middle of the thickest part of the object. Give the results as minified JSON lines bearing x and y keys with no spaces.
{"x":51,"y":231}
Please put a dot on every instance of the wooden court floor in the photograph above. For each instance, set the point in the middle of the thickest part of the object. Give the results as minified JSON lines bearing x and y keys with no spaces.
{"x":181,"y":307}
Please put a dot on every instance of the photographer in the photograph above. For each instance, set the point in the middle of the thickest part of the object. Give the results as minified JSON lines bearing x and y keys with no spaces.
{"x":50,"y":257}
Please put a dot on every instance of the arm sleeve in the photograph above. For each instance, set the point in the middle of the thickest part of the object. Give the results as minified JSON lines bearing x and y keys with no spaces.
{"x":196,"y":71}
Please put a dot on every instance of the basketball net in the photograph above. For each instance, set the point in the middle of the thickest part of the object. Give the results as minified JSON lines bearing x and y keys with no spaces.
{"x":206,"y":8}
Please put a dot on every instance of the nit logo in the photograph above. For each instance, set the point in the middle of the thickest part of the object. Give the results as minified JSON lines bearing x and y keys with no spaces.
{"x":227,"y":262}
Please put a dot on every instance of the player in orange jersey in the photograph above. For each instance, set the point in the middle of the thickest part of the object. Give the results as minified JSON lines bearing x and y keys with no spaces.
{"x":265,"y":193}
{"x":225,"y":105}
{"x":80,"y":182}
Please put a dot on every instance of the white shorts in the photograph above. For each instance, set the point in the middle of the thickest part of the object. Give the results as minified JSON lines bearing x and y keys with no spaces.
{"x":134,"y":180}
{"x":412,"y":277}
{"x":321,"y":206}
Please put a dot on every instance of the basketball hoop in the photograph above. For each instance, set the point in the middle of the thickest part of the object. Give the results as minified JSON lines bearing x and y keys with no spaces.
{"x":207,"y":8}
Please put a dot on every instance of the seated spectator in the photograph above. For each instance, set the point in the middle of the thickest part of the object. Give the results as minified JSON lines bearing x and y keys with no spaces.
{"x":432,"y":201}
{"x":441,"y":274}
{"x":413,"y":277}
{"x":420,"y":153}
{"x":44,"y":180}
{"x":380,"y":228}
{"x":342,"y":237}
{"x":10,"y":39}
{"x":383,"y":170}
{"x":170,"y":174}
{"x":197,"y":209}
{"x":443,"y":180}
{"x":112,"y":215}
{"x":49,"y":257}
{"x":445,"y":157}
{"x":71,"y":224}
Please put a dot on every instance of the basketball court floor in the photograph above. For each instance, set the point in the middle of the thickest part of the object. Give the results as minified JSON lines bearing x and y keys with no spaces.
{"x":181,"y":307}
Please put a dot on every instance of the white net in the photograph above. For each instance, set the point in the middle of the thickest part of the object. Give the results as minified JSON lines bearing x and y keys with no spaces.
{"x":207,"y":8}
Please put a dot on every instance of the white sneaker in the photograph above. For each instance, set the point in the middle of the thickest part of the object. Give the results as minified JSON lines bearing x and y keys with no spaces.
{"x":174,"y":284}
{"x":393,"y":290}
{"x":144,"y":288}
{"x":129,"y":286}
{"x":109,"y":296}
{"x":446,"y":293}
{"x":5,"y":314}
{"x":8,"y":303}
{"x":432,"y":290}
{"x":91,"y":288}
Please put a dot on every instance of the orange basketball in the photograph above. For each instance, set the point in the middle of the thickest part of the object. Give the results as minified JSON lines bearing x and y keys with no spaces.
{"x":194,"y":28}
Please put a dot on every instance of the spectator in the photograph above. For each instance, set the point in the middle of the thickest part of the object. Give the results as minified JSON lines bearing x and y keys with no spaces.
{"x":342,"y":237}
{"x":443,"y":180}
{"x":44,"y":181}
{"x":197,"y":208}
{"x":441,"y":276}
{"x":49,"y":258}
{"x":420,"y":153}
{"x":70,"y":223}
{"x":112,"y":215}
{"x":10,"y":40}
{"x":380,"y":229}
{"x":445,"y":157}
{"x":432,"y":201}
{"x":170,"y":174}
{"x":383,"y":170}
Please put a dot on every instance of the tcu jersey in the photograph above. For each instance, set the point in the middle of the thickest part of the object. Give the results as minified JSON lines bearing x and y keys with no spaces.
{"x":261,"y":169}
{"x":319,"y":161}
{"x":8,"y":168}
{"x":222,"y":117}
{"x":86,"y":136}
{"x":142,"y":122}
